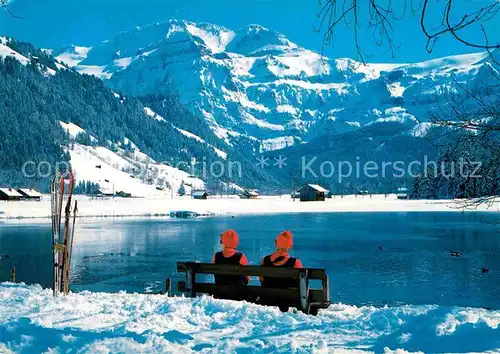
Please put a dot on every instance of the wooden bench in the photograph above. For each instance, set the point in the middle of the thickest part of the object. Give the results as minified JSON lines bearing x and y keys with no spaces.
{"x":302,"y":297}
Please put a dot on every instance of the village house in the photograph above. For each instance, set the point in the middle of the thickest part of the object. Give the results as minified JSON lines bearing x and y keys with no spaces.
{"x":312,"y":193}
{"x":9,"y":194}
{"x":199,"y":195}
{"x":248,"y":194}
{"x":30,"y":194}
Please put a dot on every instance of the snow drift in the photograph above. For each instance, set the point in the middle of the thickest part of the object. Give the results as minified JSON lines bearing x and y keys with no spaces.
{"x":31,"y":320}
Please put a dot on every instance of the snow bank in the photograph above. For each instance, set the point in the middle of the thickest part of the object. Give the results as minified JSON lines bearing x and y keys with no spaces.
{"x":31,"y":320}
{"x":162,"y":204}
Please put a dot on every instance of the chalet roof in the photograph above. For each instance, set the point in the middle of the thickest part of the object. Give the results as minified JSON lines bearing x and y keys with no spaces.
{"x":247,"y":192}
{"x":105,"y":191}
{"x":10,"y":192}
{"x":318,"y":188}
{"x":30,"y":192}
{"x":198,"y":193}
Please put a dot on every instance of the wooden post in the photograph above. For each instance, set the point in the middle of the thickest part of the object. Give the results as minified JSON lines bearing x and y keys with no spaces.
{"x":304,"y":290}
{"x":13,"y":275}
{"x":168,"y":287}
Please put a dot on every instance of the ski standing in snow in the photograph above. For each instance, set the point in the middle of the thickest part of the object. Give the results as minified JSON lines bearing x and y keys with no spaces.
{"x":62,"y":243}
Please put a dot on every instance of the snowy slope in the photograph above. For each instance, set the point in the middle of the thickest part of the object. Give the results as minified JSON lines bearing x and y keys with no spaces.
{"x":5,"y":51}
{"x":73,"y":130}
{"x":32,"y":321}
{"x":133,"y":173}
{"x":255,"y":84}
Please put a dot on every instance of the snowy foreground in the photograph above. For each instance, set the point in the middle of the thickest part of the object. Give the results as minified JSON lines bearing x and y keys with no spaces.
{"x":32,"y":321}
{"x":162,"y":206}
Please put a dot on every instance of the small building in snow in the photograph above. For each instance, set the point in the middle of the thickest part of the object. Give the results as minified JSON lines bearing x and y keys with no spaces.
{"x":312,"y":193}
{"x":402,"y":193}
{"x":30,"y":194}
{"x":123,"y":194}
{"x":248,"y":194}
{"x":10,"y":194}
{"x":104,"y":192}
{"x":199,"y":195}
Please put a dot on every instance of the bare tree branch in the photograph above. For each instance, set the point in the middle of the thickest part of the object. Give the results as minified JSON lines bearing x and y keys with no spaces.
{"x":4,"y":4}
{"x":381,"y":15}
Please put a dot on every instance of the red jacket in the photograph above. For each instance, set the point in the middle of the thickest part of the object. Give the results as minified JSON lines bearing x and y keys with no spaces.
{"x":286,"y":257}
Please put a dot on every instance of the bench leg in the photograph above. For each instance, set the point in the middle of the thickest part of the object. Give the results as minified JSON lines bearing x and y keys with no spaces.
{"x":283,"y":308}
{"x":326,"y":288}
{"x":190,"y":282}
{"x":304,"y":290}
{"x":168,"y":287}
{"x":313,"y":311}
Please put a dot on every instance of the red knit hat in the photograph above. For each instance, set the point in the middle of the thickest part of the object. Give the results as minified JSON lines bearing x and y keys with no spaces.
{"x":229,"y":239}
{"x":284,"y":240}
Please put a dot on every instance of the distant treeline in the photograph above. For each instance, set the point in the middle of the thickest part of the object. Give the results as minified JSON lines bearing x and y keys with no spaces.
{"x":468,"y":168}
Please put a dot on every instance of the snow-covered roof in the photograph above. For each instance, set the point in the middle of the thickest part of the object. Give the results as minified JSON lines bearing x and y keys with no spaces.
{"x":318,"y":188}
{"x":105,"y":191}
{"x":251,"y":192}
{"x":30,"y":192}
{"x":10,"y":192}
{"x":198,"y":193}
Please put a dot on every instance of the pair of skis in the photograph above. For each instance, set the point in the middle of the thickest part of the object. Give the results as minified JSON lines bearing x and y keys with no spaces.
{"x":62,"y":239}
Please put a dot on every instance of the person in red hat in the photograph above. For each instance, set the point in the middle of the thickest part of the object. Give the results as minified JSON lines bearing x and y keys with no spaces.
{"x":281,"y":258}
{"x":229,"y":255}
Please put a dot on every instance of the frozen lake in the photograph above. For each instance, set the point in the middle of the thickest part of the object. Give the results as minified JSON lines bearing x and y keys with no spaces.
{"x":414,"y":265}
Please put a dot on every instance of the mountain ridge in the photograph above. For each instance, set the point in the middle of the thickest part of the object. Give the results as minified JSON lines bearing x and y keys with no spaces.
{"x":253,"y":84}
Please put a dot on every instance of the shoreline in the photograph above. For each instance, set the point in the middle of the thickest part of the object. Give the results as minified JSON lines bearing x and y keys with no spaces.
{"x":157,"y":208}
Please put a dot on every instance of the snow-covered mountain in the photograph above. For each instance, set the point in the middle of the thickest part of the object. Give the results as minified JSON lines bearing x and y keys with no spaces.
{"x":254,"y":83}
{"x":109,"y":139}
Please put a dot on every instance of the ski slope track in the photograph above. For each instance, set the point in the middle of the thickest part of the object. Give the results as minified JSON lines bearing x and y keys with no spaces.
{"x":254,"y":85}
{"x":31,"y":320}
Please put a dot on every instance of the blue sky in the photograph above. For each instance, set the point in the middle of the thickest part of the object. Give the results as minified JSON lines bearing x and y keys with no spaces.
{"x":55,"y":23}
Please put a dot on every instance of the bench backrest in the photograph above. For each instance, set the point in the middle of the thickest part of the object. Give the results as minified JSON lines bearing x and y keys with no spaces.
{"x":240,"y":270}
